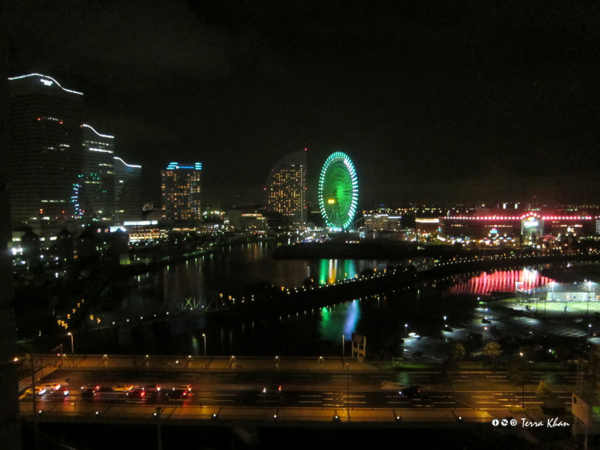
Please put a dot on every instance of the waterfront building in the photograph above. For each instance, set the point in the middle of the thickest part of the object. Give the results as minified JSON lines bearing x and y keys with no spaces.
{"x":45,"y":149}
{"x":181,"y":191}
{"x":128,"y":191}
{"x":98,"y":192}
{"x":286,"y":188}
{"x":527,"y":226}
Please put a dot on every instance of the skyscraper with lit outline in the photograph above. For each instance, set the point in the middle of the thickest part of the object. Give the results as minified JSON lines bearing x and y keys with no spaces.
{"x":46,"y":156}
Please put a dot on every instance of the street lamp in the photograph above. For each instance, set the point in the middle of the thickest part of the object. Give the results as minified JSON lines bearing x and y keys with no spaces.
{"x":204,"y":336}
{"x":589,"y":330}
{"x":588,"y":300}
{"x":405,"y":329}
{"x":72,"y":344}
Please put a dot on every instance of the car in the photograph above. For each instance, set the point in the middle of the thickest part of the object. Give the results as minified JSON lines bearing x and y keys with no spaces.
{"x":448,"y":328}
{"x":178,"y":394}
{"x":94,"y":387}
{"x":152,"y":388}
{"x":486,"y":320}
{"x":410,"y":391}
{"x":122,"y":388}
{"x":39,"y":390}
{"x":136,"y":393}
{"x":414,"y":335}
{"x":88,"y":393}
{"x":49,"y":386}
{"x":271,"y":390}
{"x":63,"y":391}
{"x":187,"y":387}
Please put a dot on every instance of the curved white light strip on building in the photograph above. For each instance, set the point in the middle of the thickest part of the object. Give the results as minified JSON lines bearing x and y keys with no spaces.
{"x":101,"y":135}
{"x":128,"y":165}
{"x":46,"y":76}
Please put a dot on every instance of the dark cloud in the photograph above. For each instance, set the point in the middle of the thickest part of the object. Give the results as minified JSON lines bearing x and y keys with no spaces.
{"x":433,"y":100}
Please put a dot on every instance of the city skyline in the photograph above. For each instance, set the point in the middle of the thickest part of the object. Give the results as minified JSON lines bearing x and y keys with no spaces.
{"x":434,"y":102}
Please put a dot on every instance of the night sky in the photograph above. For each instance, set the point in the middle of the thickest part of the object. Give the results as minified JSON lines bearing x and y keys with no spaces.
{"x":435,"y":101}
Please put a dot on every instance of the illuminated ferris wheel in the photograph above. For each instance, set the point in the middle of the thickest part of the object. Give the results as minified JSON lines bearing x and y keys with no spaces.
{"x":338,"y":191}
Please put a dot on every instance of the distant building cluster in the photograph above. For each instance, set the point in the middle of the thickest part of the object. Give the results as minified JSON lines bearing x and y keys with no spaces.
{"x":63,"y":170}
{"x":511,"y":224}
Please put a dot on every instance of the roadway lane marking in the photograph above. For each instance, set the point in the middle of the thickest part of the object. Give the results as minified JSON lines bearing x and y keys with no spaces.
{"x":487,"y":402}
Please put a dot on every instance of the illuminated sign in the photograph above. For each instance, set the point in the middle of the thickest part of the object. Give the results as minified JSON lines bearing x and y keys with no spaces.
{"x":493,"y":231}
{"x":530,"y":223}
{"x":46,"y":82}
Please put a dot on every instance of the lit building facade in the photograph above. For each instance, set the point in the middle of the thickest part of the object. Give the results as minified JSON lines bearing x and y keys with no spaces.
{"x":181,"y":190}
{"x":98,"y":194}
{"x":128,"y":190}
{"x":46,"y":157}
{"x":529,"y":225}
{"x":286,"y":188}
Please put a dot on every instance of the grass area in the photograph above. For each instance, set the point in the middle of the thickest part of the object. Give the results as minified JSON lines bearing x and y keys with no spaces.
{"x":554,"y":308}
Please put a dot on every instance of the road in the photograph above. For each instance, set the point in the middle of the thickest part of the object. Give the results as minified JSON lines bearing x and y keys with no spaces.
{"x":471,"y":390}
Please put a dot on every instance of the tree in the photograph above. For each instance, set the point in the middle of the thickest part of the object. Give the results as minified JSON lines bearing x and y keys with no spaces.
{"x":543,"y":392}
{"x":451,"y":365}
{"x":492,"y":350}
{"x":457,"y":351}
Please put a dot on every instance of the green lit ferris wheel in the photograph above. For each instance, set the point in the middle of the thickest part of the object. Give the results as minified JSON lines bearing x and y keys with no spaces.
{"x":338,"y":191}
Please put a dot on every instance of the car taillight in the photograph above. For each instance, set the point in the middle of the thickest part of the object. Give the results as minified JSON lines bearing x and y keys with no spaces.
{"x":143,"y":393}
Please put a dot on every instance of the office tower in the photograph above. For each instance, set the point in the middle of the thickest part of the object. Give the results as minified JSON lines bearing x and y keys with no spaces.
{"x":98,"y":191}
{"x":181,"y":191}
{"x":128,"y":191}
{"x":46,"y":157}
{"x":10,"y":433}
{"x":286,"y":188}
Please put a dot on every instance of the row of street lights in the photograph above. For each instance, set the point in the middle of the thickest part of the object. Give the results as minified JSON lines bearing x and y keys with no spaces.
{"x":73,"y":342}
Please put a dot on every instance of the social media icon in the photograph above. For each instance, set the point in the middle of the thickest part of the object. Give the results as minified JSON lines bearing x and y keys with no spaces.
{"x":495,"y":422}
{"x":504,"y":422}
{"x":513,"y":422}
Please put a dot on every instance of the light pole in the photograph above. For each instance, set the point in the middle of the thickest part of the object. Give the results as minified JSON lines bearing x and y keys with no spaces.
{"x":589,"y":330}
{"x":483,"y":336}
{"x":588,"y":300}
{"x":72,"y":344}
{"x":405,"y":329}
{"x":343,"y":349}
{"x":204,"y":336}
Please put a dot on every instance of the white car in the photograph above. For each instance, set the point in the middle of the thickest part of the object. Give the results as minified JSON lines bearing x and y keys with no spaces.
{"x":414,"y":335}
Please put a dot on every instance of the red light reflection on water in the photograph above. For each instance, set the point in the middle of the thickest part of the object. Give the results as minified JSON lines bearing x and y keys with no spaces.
{"x":501,"y":281}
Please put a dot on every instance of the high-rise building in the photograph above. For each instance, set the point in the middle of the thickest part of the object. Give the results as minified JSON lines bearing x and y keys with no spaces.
{"x":128,"y":191}
{"x":98,"y":191}
{"x":286,"y":188}
{"x":181,"y":191}
{"x":10,"y":433}
{"x":46,"y":157}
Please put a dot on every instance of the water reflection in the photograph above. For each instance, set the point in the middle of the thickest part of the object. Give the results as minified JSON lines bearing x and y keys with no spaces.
{"x":339,"y":320}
